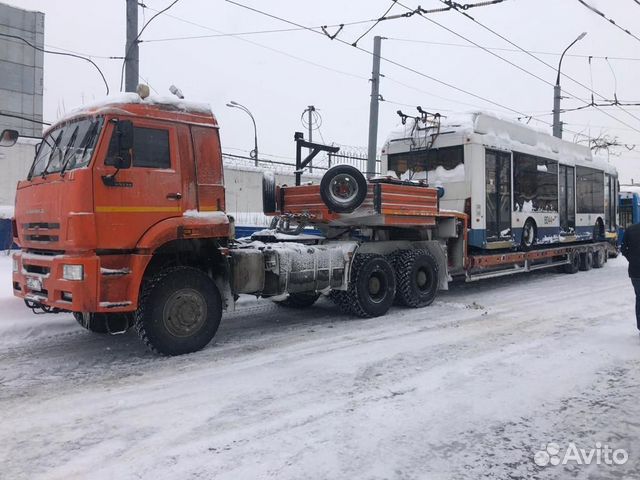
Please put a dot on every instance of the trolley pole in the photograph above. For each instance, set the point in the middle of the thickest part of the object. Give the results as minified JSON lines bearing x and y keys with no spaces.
{"x":132,"y":58}
{"x":374,"y":108}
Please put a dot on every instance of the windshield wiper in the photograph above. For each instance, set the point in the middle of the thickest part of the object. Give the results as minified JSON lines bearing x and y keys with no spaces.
{"x":70,"y":151}
{"x":56,"y":146}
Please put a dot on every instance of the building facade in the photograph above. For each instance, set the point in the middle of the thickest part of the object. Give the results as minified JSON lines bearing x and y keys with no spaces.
{"x":21,"y":70}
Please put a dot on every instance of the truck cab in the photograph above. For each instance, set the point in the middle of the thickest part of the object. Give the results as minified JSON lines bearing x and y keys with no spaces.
{"x":113,"y":186}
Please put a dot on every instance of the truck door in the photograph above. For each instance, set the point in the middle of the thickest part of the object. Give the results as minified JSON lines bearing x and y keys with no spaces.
{"x":567,"y":197}
{"x":143,"y":195}
{"x":498,"y":194}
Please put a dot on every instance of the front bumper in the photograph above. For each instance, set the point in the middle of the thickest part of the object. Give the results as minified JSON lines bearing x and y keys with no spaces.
{"x":39,"y":279}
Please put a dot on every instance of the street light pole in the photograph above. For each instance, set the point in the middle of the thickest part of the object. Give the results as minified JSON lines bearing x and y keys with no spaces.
{"x":557,"y":92}
{"x":254,"y":153}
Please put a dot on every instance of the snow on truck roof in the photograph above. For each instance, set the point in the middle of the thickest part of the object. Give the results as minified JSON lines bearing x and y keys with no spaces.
{"x":122,"y":100}
{"x":501,"y":133}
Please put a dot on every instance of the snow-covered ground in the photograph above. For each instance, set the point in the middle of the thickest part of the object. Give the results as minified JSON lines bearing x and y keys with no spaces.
{"x":471,"y":387}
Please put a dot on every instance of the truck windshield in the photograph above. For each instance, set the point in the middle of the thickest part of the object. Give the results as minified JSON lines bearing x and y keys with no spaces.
{"x":67,"y":147}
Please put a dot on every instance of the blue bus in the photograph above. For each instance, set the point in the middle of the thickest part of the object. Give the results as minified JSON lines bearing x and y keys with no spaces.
{"x":628,"y":208}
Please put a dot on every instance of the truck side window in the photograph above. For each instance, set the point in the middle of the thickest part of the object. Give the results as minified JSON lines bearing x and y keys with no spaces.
{"x":150,"y":148}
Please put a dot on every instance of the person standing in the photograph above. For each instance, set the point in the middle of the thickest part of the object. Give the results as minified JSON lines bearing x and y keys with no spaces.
{"x":631,"y":250}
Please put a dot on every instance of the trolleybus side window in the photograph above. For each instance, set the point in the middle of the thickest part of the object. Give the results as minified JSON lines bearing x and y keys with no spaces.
{"x":438,"y":164}
{"x":590,"y":190}
{"x":535,"y":184}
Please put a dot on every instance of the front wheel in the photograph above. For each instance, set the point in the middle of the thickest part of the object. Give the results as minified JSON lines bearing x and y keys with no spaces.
{"x":528,"y":235}
{"x":179,"y":312}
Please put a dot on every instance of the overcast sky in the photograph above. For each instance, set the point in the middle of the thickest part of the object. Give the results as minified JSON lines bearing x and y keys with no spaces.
{"x":276,"y":75}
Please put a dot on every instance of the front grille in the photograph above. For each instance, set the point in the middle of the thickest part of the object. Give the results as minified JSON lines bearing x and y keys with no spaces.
{"x":41,"y":238}
{"x":42,"y":232}
{"x":41,"y":225}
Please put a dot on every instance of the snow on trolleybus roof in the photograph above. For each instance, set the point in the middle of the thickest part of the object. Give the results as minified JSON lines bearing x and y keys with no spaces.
{"x":494,"y":132}
{"x":131,"y":103}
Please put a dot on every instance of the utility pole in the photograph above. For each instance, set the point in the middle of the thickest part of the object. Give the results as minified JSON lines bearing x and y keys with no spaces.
{"x":373,"y":110}
{"x":557,"y":124}
{"x":557,"y":92}
{"x":309,"y":110}
{"x":132,"y":58}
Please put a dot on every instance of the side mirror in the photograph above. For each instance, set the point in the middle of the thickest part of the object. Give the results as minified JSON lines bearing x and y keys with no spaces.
{"x":8,"y":138}
{"x":121,"y":158}
{"x":124,"y":129}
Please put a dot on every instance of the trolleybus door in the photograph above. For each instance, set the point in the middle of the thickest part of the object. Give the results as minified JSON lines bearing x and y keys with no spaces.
{"x":498,"y":195}
{"x":567,"y":198}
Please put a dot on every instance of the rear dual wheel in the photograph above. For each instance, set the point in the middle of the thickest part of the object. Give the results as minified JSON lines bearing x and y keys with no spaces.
{"x":599,"y":258}
{"x":574,"y":263}
{"x":416,"y":278}
{"x":372,"y":287}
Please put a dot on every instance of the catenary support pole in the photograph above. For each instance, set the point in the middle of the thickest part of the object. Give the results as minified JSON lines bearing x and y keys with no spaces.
{"x":557,"y":124}
{"x":310,"y":110}
{"x":131,"y":50}
{"x":373,"y":110}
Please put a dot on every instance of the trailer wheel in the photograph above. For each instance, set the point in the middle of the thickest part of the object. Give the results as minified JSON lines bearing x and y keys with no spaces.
{"x":179,"y":312}
{"x":529,"y":234}
{"x":574,"y":265}
{"x":342,"y":299}
{"x":343,"y":188}
{"x":586,"y":261}
{"x":599,"y":258}
{"x":416,"y":278}
{"x":269,"y":201}
{"x":299,"y":300}
{"x":372,"y":287}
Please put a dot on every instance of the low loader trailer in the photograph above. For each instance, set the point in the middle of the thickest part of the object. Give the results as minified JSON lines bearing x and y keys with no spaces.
{"x":121,"y":222}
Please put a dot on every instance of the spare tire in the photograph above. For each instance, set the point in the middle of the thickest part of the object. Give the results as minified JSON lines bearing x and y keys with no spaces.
{"x":343,"y":188}
{"x":269,"y":200}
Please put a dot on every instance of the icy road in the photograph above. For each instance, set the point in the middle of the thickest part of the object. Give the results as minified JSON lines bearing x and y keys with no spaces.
{"x":472,"y":387}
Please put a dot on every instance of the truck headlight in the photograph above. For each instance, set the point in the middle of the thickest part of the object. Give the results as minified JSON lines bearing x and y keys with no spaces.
{"x":15,"y":264}
{"x":72,"y":272}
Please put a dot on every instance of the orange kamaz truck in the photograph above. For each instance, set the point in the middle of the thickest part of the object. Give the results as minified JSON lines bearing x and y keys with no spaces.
{"x":122,"y":222}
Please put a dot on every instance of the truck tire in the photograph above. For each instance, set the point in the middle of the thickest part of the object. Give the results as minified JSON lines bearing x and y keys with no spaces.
{"x":599,"y":258}
{"x":574,"y":265}
{"x":104,"y":322}
{"x":416,"y":278}
{"x":372,"y":287}
{"x":299,"y":300}
{"x":343,"y":188}
{"x":586,"y":261}
{"x":179,"y":311}
{"x":269,"y":200}
{"x":342,"y":299}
